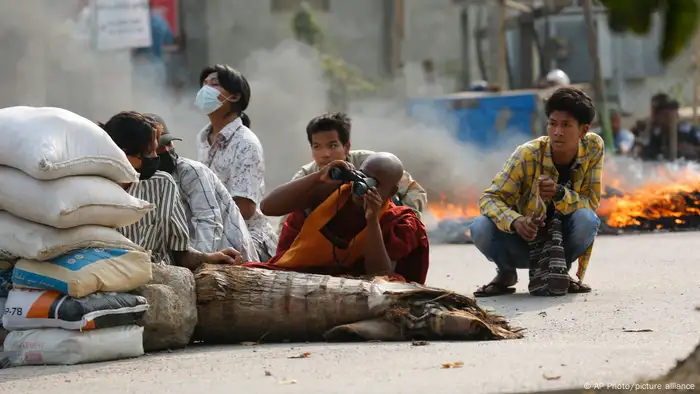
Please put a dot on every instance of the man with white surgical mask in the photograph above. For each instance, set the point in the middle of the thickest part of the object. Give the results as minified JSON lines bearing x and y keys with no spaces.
{"x":232,"y":151}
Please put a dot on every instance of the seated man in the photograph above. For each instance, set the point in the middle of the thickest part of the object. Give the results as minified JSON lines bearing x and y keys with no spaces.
{"x":163,"y":230}
{"x":329,"y":137}
{"x":332,"y":230}
{"x":623,"y":138}
{"x":564,"y":169}
{"x":215,"y":222}
{"x":655,"y":141}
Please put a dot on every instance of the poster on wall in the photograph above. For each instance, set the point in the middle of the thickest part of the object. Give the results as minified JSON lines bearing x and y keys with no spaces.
{"x":121,"y":24}
{"x":168,"y":10}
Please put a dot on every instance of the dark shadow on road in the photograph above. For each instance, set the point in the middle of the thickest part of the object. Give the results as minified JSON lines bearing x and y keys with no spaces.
{"x":524,"y":302}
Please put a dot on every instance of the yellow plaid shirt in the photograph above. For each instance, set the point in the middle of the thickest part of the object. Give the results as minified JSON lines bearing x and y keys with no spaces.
{"x":511,"y":194}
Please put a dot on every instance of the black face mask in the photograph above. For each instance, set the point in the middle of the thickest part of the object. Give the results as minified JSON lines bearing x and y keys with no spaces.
{"x":149,"y":166}
{"x":168,"y":161}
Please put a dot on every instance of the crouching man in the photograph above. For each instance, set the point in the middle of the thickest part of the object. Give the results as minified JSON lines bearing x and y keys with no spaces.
{"x":333,"y":228}
{"x":539,"y":212}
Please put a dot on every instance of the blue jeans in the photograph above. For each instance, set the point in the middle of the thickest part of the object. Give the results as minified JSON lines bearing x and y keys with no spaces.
{"x":510,"y":251}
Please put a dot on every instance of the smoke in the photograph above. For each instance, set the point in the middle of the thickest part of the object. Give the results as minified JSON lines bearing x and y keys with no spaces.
{"x":46,"y":61}
{"x":289,"y":89}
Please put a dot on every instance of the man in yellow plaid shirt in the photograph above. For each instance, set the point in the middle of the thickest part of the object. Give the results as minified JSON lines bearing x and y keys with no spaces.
{"x":567,"y":156}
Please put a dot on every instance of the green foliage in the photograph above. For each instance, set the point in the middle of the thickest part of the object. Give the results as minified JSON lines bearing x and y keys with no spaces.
{"x":677,"y":91}
{"x":349,"y":76}
{"x":305,"y":28}
{"x":342,"y":76}
{"x":680,"y":19}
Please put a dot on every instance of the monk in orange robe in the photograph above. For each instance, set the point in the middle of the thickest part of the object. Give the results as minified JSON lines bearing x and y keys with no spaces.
{"x":333,"y":231}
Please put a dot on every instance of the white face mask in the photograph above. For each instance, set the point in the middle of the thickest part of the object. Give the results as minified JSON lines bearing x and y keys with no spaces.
{"x":207,"y":99}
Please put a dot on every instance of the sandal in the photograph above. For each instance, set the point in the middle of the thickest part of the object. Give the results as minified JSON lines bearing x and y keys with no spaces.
{"x":578,"y":287}
{"x":493,"y":289}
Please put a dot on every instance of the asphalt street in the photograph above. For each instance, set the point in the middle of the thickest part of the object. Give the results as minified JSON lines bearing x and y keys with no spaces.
{"x":640,"y":318}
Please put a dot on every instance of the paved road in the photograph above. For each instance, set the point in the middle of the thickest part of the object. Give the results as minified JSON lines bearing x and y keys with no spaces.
{"x":641,"y":282}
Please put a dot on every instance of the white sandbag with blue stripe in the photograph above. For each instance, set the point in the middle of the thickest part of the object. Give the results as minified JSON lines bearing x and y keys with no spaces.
{"x":86,"y":271}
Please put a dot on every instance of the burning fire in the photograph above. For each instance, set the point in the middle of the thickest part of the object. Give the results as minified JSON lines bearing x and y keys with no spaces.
{"x":446,"y":210}
{"x":652,"y":203}
{"x":672,"y":203}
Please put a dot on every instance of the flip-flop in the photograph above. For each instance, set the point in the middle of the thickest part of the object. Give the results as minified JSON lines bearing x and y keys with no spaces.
{"x":578,"y":288}
{"x":496,"y":290}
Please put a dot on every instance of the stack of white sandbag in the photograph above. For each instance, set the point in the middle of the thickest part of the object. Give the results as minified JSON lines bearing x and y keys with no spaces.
{"x":60,"y":204}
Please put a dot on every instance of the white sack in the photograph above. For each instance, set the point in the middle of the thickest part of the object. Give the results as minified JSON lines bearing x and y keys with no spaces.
{"x":85,"y":271}
{"x":54,"y":346}
{"x":21,"y":238}
{"x":50,"y":143}
{"x":32,"y":309}
{"x":69,"y":202}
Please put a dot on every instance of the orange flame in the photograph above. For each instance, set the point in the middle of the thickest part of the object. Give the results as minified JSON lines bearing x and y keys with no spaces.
{"x":445,"y":210}
{"x":653,"y":201}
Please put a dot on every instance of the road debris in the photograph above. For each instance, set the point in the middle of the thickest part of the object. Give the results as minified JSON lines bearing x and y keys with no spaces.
{"x":303,"y":355}
{"x":456,"y":364}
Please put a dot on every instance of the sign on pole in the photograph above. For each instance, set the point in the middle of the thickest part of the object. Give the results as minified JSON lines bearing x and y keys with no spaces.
{"x":121,"y":24}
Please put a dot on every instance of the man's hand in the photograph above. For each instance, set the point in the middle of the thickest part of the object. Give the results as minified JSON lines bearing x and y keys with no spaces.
{"x":526,"y":227}
{"x":372,"y":202}
{"x":334,"y":164}
{"x":547,"y":187}
{"x":225,"y":256}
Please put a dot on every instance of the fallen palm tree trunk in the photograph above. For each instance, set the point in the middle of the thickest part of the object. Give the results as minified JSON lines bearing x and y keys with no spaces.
{"x":237,"y":304}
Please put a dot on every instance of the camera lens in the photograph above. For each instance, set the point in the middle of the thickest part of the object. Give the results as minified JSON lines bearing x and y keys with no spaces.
{"x":359,"y":188}
{"x":335,"y":173}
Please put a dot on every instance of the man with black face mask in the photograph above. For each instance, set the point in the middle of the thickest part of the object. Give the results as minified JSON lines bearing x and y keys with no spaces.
{"x":163,"y":231}
{"x":214,"y":220}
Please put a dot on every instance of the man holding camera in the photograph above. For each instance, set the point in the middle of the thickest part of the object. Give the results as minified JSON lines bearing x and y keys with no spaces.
{"x":329,"y":137}
{"x":343,"y":222}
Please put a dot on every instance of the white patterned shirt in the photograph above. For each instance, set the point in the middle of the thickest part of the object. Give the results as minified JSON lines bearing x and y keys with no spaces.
{"x":215,"y":222}
{"x":164,"y":229}
{"x":236,"y":157}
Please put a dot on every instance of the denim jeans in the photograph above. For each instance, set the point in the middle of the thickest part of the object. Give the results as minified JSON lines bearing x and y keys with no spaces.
{"x":510,"y":251}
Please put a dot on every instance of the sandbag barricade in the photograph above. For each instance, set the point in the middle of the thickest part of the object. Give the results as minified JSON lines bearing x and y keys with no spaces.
{"x":61,"y":202}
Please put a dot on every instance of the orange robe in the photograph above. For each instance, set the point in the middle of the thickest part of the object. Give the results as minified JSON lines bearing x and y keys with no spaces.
{"x":331,"y":240}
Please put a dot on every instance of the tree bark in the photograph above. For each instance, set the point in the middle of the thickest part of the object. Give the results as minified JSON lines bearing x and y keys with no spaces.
{"x":239,"y":304}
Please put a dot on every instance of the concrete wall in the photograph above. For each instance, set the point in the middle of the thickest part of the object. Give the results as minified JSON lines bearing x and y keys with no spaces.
{"x":676,"y":81}
{"x":353,"y":29}
{"x":230,"y":30}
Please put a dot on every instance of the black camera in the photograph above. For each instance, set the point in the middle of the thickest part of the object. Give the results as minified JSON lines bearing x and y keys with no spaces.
{"x":361,"y":183}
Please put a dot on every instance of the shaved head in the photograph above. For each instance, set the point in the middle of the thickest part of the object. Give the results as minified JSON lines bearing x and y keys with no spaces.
{"x":386,"y":169}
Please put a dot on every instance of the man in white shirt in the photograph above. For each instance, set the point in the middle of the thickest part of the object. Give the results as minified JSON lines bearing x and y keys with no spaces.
{"x":214,"y":220}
